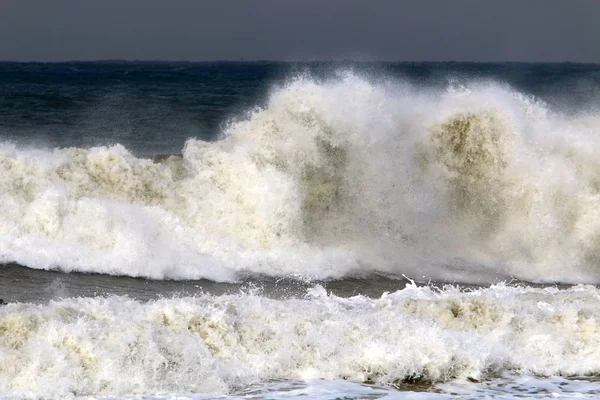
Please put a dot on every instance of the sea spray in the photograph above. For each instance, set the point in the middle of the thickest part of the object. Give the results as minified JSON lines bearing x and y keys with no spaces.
{"x":331,"y":178}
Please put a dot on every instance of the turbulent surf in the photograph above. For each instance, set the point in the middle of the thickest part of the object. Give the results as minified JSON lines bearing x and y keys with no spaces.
{"x":274,"y":231}
{"x":330,"y":178}
{"x":207,"y":344}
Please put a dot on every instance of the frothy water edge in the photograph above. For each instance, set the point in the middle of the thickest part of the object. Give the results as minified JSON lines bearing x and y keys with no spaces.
{"x":223,"y":344}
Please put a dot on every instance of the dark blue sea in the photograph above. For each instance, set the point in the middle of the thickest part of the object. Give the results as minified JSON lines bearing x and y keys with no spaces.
{"x":269,"y":230}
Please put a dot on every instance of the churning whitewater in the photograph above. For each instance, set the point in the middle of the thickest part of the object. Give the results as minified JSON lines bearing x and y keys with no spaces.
{"x":331,"y":178}
{"x":207,"y":344}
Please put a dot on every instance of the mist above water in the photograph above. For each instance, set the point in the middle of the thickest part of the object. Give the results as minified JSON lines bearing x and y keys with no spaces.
{"x":331,"y":178}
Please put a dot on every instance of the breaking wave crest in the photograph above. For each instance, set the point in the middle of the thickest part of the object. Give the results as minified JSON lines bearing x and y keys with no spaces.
{"x":329,"y":179}
{"x":100,"y":346}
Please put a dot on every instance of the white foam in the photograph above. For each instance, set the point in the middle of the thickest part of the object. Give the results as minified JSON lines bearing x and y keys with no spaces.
{"x":117,"y":346}
{"x":524,"y":387}
{"x":330,"y":179}
{"x":314,"y":389}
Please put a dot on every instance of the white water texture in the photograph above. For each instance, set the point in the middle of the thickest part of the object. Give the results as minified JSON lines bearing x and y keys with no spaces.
{"x":221,"y":345}
{"x":329,"y":179}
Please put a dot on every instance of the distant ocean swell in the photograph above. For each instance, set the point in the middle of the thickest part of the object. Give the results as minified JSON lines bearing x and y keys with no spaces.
{"x":334,"y":178}
{"x":206,"y":344}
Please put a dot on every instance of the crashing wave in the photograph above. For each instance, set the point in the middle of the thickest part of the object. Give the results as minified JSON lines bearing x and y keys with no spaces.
{"x":329,"y":179}
{"x":115,"y":346}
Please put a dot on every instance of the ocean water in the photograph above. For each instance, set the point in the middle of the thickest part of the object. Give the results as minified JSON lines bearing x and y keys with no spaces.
{"x":308,"y":230}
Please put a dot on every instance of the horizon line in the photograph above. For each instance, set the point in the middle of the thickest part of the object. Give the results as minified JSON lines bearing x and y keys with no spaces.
{"x":252,"y":61}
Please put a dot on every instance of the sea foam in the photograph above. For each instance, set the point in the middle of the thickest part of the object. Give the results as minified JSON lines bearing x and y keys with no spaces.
{"x":225,"y":344}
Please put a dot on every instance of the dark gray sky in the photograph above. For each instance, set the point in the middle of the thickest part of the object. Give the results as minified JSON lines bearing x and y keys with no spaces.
{"x":417,"y":30}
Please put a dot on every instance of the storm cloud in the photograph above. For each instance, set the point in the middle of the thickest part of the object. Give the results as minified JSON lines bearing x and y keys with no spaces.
{"x":396,"y":30}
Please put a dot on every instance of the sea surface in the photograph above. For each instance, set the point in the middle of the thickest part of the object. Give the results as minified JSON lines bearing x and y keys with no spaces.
{"x":262,"y":230}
